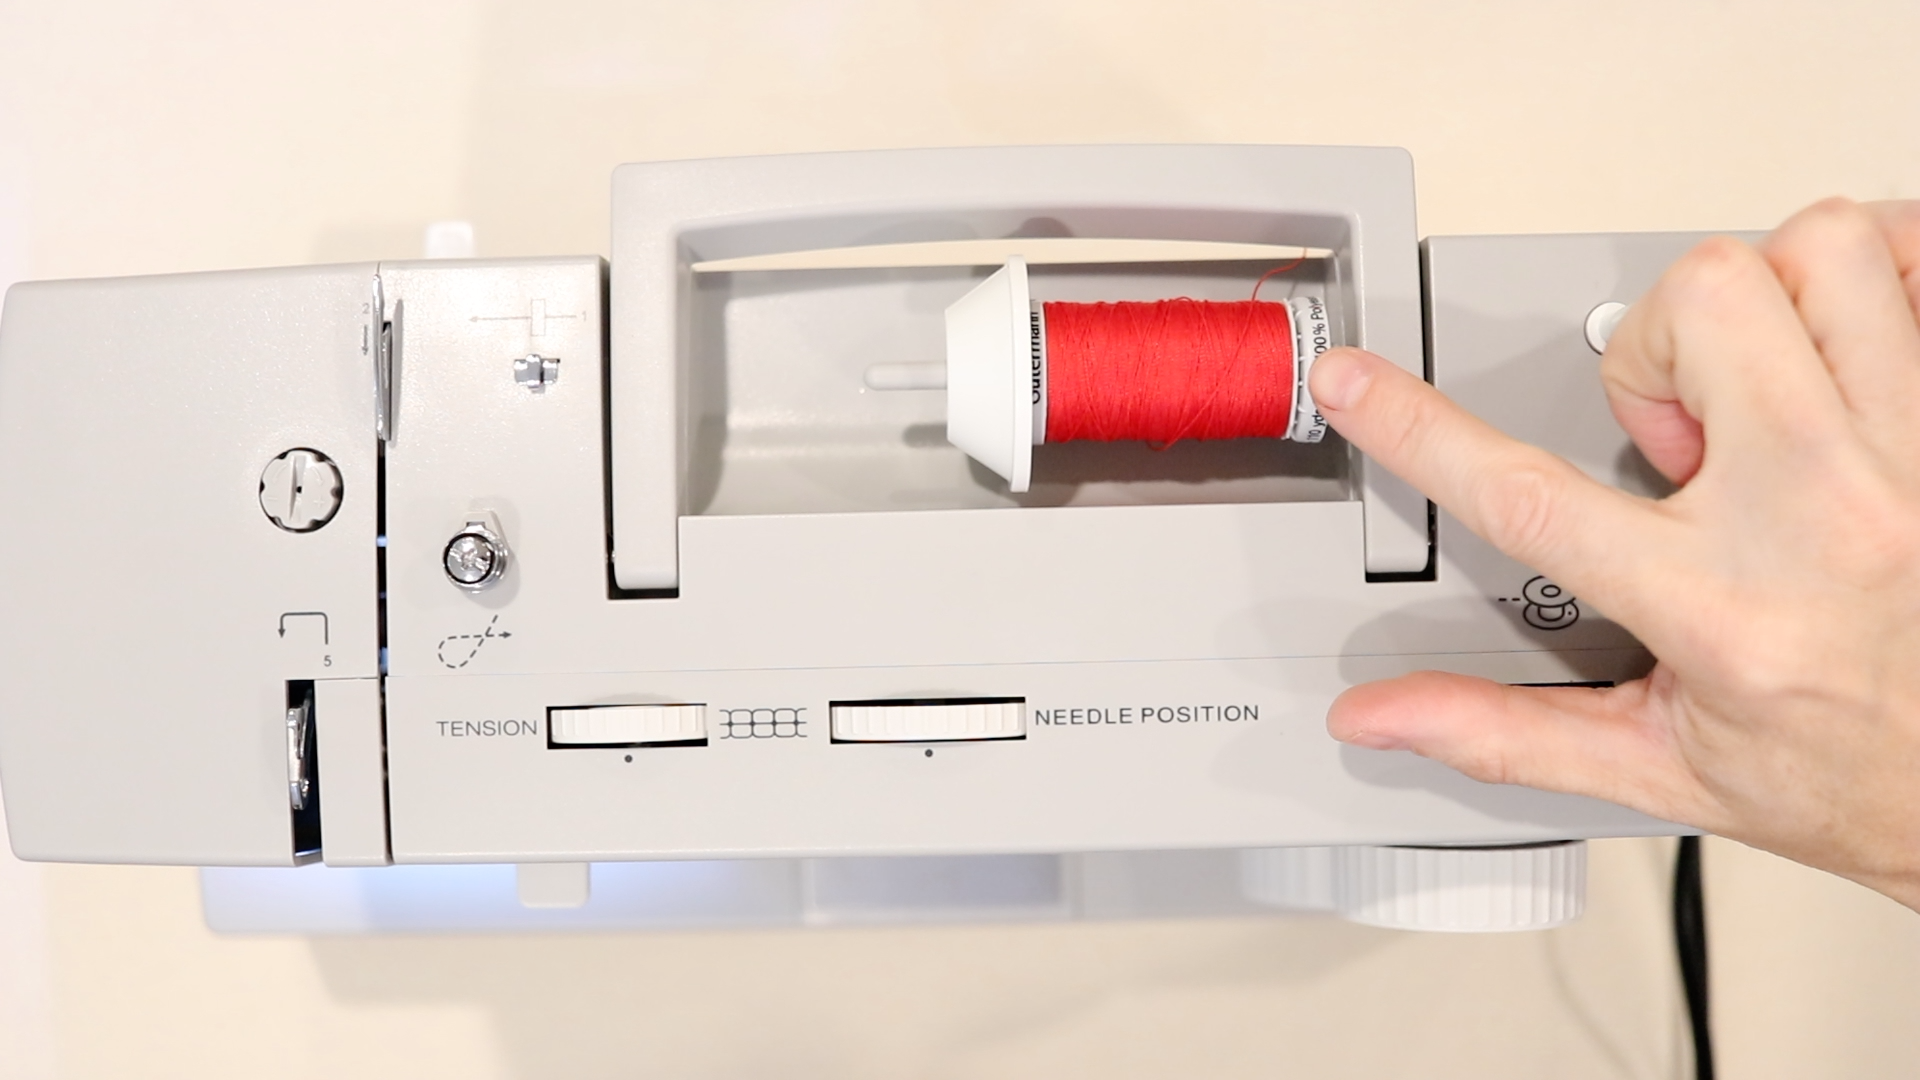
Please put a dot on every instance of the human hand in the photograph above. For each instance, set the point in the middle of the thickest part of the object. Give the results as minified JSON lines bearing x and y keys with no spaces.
{"x":1778,"y":588}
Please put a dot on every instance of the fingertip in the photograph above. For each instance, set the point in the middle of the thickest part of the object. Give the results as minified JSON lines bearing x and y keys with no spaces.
{"x":1353,"y":719}
{"x":1340,"y":377}
{"x":1394,"y":714}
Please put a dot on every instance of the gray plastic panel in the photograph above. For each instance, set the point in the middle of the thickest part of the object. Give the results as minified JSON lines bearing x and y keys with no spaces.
{"x":153,"y":613}
{"x":1106,"y":608}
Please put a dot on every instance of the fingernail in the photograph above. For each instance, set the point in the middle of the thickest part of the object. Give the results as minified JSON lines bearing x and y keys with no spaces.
{"x":1372,"y":740}
{"x":1339,"y":379}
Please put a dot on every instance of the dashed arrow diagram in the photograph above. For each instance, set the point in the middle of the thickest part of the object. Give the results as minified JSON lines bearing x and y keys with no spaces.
{"x":478,"y":641}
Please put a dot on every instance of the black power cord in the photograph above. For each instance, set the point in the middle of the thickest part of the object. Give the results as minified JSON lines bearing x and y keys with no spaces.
{"x":1690,"y":941}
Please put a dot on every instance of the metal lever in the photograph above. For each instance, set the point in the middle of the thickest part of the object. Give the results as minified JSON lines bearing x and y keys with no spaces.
{"x":380,"y":331}
{"x":299,"y":775}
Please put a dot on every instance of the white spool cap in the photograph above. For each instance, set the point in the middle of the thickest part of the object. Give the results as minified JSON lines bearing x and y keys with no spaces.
{"x":991,"y":372}
{"x":1526,"y":887}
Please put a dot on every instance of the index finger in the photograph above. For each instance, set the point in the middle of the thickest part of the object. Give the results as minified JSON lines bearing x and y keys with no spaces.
{"x":1601,"y":543}
{"x":1718,"y":343}
{"x":1900,"y":222}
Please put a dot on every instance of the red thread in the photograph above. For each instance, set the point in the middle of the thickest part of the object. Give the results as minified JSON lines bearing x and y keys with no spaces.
{"x":1168,"y":370}
{"x":1275,"y":272}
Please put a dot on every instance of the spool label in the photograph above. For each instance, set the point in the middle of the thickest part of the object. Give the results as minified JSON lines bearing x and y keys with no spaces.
{"x":1037,"y":371}
{"x":1312,"y":335}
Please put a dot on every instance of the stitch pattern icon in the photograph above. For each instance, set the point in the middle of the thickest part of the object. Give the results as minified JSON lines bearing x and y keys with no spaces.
{"x":763,"y":723}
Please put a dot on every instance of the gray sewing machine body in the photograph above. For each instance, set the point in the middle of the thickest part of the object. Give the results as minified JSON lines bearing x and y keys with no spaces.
{"x":706,"y":546}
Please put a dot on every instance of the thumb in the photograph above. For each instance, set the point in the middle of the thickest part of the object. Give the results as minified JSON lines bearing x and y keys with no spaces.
{"x":1609,"y":743}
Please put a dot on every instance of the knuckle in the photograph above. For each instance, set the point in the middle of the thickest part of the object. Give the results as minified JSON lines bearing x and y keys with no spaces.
{"x":1830,"y":226}
{"x":1830,"y":212}
{"x":1875,"y":541}
{"x":1519,"y":504}
{"x":1899,"y":220}
{"x":1836,"y":215}
{"x":1413,"y":426}
{"x":1714,"y":268}
{"x":1486,"y":761}
{"x":1416,"y":425}
{"x":1894,"y":210}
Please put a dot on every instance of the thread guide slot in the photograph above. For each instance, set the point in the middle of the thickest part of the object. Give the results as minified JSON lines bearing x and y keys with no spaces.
{"x":990,"y":253}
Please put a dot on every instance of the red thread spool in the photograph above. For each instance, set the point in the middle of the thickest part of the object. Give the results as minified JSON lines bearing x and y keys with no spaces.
{"x":1020,"y":374}
{"x":1168,"y":370}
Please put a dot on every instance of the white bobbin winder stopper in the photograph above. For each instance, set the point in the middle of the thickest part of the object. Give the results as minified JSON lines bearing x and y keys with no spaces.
{"x":996,"y":375}
{"x":1470,"y":889}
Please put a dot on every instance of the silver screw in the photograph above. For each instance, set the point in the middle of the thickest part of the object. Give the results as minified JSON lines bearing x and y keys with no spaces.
{"x":476,"y":557}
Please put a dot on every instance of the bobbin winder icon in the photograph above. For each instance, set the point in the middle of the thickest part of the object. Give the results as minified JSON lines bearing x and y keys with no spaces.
{"x":1547,"y":605}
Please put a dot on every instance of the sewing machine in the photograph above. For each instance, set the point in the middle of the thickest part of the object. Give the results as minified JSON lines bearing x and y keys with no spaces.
{"x":559,"y":562}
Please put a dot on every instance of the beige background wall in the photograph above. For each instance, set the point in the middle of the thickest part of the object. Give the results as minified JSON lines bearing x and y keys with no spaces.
{"x":152,"y":137}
